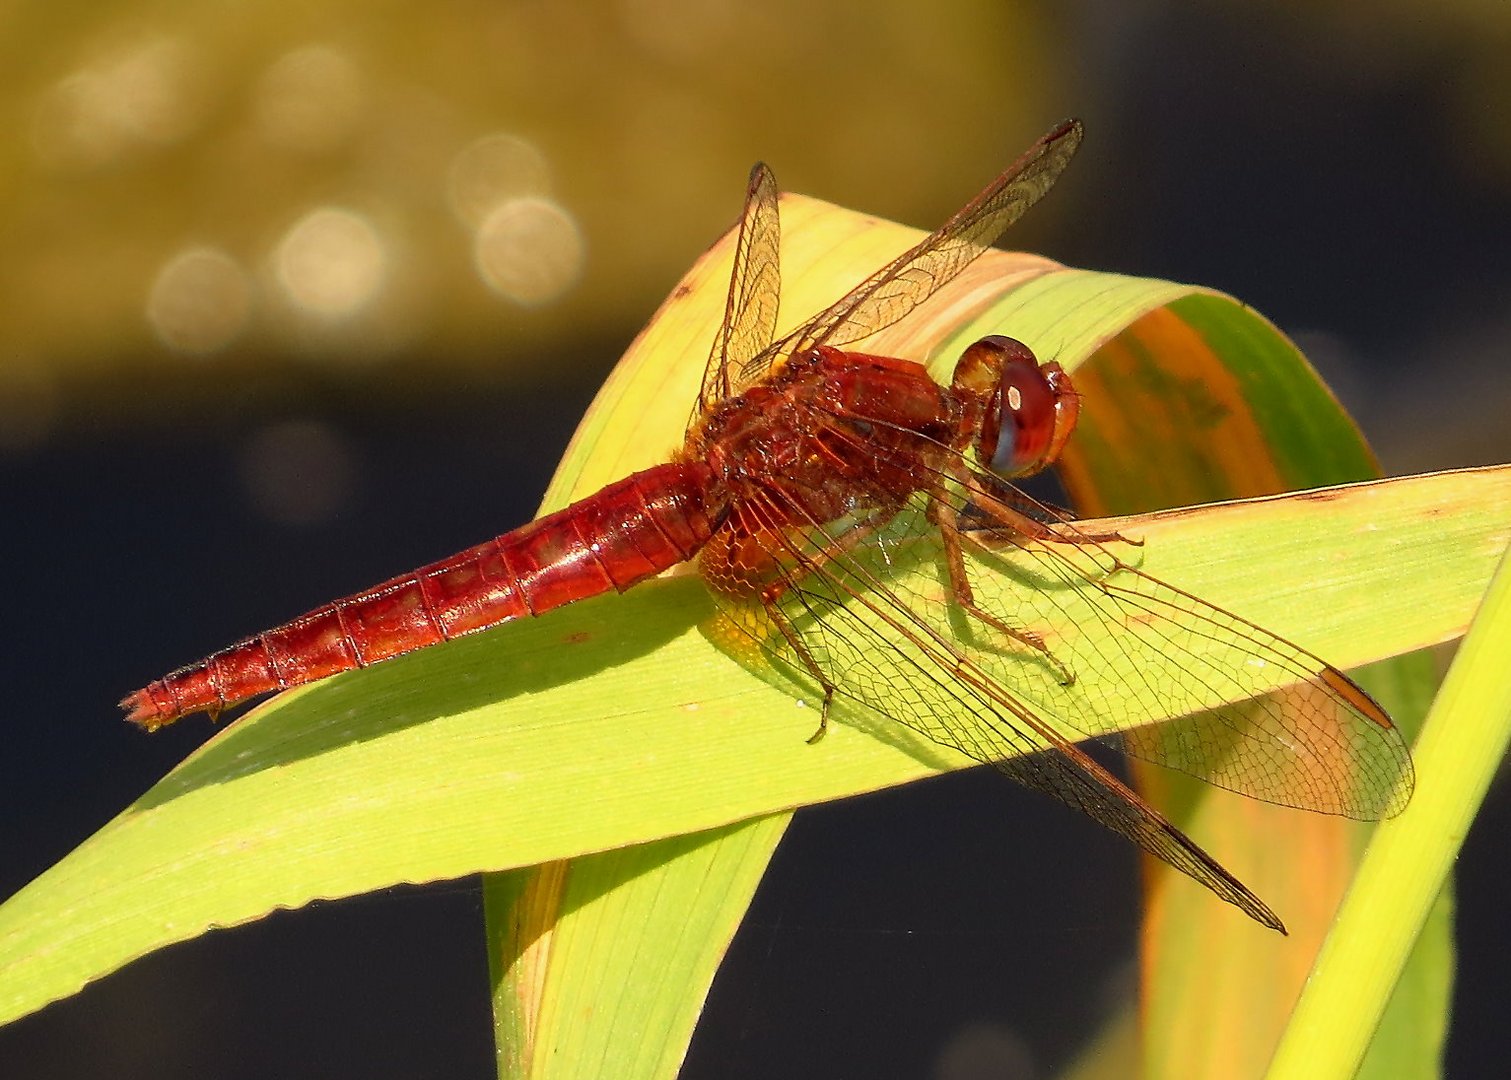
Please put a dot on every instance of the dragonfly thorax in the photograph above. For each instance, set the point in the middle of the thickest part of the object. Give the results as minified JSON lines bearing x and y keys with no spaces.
{"x":832,"y":430}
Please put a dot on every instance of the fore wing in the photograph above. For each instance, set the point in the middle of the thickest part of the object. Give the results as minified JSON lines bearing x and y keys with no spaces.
{"x":915,"y":275}
{"x":755,"y":289}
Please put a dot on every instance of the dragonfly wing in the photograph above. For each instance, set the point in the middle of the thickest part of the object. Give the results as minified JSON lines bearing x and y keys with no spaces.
{"x":755,"y":288}
{"x":1078,"y":781}
{"x":1207,"y":691}
{"x":874,"y":649}
{"x":1251,"y":711}
{"x":915,"y":275}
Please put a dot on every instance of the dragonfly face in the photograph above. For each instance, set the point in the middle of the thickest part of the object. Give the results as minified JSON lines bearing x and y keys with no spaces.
{"x":1027,"y":410}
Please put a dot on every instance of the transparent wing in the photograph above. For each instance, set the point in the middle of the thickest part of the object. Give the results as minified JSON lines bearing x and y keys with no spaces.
{"x":1252,"y":712}
{"x":915,"y":275}
{"x":1238,"y":706}
{"x":755,"y":289}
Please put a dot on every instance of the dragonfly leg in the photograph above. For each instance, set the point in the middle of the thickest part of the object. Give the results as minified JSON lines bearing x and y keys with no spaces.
{"x":944,"y":515}
{"x":1012,"y":525}
{"x":1081,"y":537}
{"x":1013,"y":516}
{"x":1038,"y":532}
{"x":771,"y":596}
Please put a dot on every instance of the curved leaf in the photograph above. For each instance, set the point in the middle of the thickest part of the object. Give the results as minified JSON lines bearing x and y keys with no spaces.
{"x":616,"y":722}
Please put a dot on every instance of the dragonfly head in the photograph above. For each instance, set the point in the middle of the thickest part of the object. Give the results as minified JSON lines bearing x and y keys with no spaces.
{"x":1027,"y":410}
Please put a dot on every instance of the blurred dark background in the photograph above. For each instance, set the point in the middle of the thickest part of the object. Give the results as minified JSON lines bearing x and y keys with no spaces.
{"x":294,"y":297}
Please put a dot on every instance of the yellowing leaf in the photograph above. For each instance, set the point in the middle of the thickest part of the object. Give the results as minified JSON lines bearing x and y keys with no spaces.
{"x":615,"y":734}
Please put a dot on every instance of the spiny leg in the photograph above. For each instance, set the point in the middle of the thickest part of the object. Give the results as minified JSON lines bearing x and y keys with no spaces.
{"x":946,"y":518}
{"x":1038,"y":520}
{"x":1012,"y":525}
{"x":772,"y":593}
{"x":769,"y":600}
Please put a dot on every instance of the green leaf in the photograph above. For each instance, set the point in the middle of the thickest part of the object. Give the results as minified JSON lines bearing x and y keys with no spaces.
{"x":1397,"y":890}
{"x":614,"y":729}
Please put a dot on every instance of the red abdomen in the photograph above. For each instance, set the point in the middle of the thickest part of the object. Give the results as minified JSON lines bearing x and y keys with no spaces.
{"x":613,"y":539}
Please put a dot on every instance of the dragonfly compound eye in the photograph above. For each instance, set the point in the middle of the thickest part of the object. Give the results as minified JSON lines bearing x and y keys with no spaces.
{"x":1036,"y":409}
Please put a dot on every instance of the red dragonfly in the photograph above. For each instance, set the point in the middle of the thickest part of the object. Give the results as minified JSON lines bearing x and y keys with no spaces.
{"x":815,"y":484}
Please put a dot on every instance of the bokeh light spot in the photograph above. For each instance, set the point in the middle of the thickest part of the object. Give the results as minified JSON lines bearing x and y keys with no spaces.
{"x":200,"y":301}
{"x":331,"y":262}
{"x":494,"y":170}
{"x":309,"y":99}
{"x":529,"y":250}
{"x":136,"y":97}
